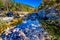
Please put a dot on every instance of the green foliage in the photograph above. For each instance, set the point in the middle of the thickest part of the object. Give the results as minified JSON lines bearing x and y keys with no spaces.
{"x":4,"y":25}
{"x":58,"y":1}
{"x":17,"y":6}
{"x":40,"y":6}
{"x":53,"y":30}
{"x":1,"y":3}
{"x":50,"y":3}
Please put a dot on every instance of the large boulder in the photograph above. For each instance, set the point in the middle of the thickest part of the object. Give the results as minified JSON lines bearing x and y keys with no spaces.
{"x":50,"y":10}
{"x":33,"y":16}
{"x":41,"y":13}
{"x":9,"y":14}
{"x":51,"y":15}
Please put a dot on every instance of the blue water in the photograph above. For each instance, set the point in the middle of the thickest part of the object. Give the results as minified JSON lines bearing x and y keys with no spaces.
{"x":29,"y":27}
{"x":29,"y":24}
